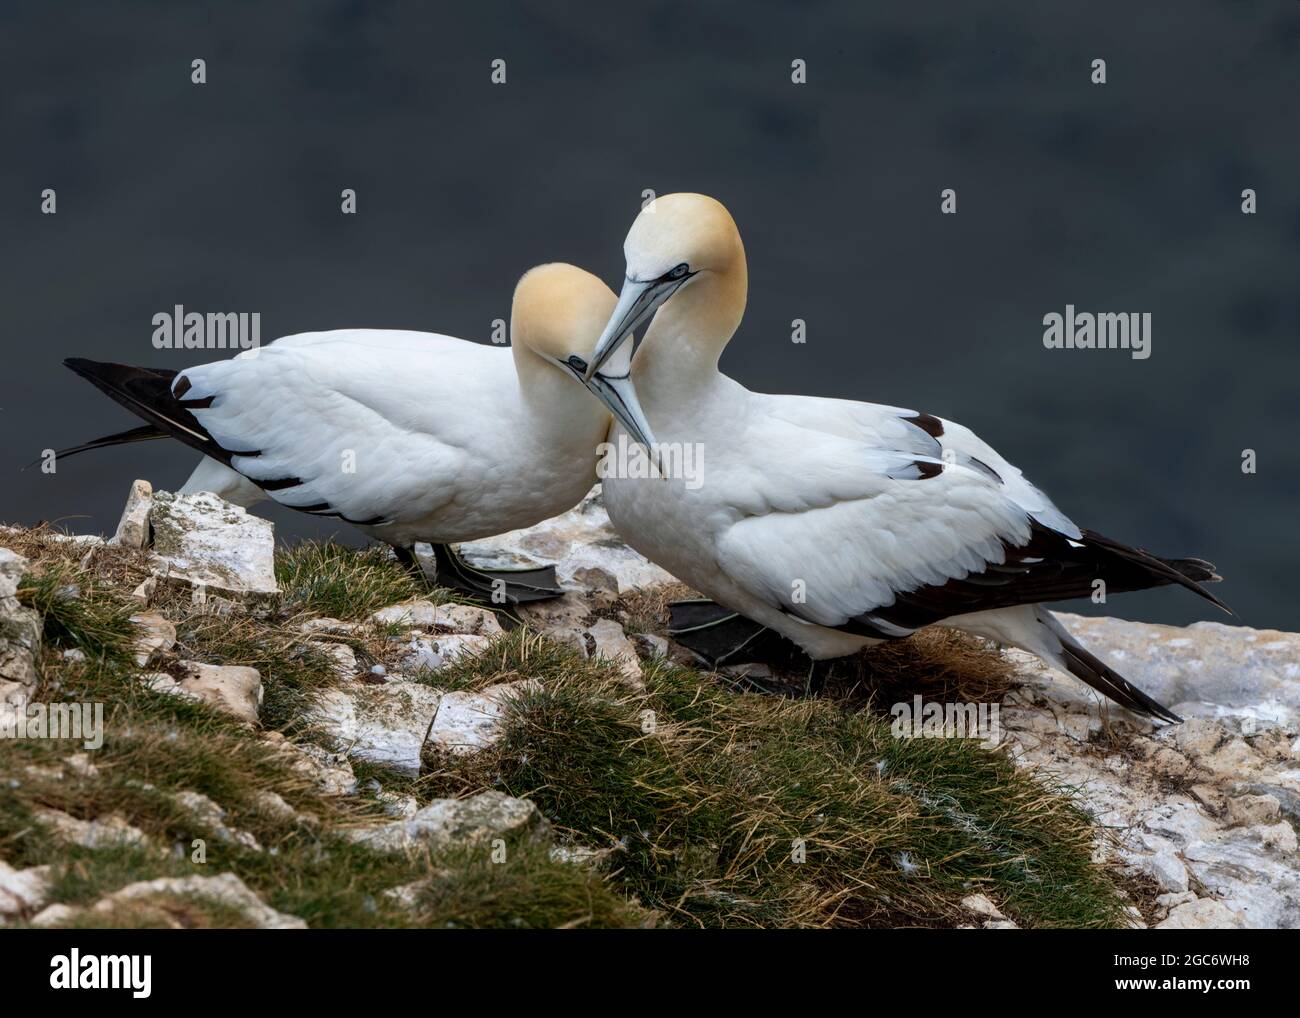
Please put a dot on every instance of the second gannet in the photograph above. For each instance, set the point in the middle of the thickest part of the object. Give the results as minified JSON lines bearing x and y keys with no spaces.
{"x":836,"y":523}
{"x":409,"y":436}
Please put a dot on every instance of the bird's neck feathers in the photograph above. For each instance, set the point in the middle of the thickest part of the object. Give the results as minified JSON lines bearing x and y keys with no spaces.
{"x":688,"y":334}
{"x":554,"y":400}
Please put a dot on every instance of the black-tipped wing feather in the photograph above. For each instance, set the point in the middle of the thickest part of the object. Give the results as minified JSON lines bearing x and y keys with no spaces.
{"x":1050,"y":567}
{"x":147,"y":393}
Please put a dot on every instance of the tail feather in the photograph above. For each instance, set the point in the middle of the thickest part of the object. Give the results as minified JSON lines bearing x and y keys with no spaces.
{"x":147,"y":393}
{"x":145,"y":433}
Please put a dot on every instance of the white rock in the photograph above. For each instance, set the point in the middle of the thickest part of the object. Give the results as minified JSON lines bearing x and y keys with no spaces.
{"x":144,"y":593}
{"x":467,"y":722}
{"x":472,"y":821}
{"x":273,"y":804}
{"x":157,"y":636}
{"x":1230,"y":845}
{"x":612,"y":644}
{"x":981,"y":905}
{"x":401,"y":806}
{"x":54,"y":915}
{"x":334,"y":627}
{"x":451,"y":618}
{"x":224,"y":889}
{"x":20,"y":627}
{"x":133,"y":527}
{"x":22,"y":890}
{"x":434,"y":652}
{"x":330,"y":772}
{"x":651,"y":645}
{"x":1167,"y":870}
{"x":1202,"y":914}
{"x":209,"y":815}
{"x":383,"y":724}
{"x":106,"y":831}
{"x":200,"y":539}
{"x":580,"y":539}
{"x":161,"y":682}
{"x":342,"y":658}
{"x":235,"y":689}
{"x":1206,"y":669}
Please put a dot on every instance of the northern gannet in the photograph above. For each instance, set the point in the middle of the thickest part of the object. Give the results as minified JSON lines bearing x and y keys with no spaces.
{"x":409,"y":436}
{"x":836,"y":523}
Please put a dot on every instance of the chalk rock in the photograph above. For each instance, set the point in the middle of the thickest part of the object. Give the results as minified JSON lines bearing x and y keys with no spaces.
{"x":211,"y":817}
{"x":1198,"y":805}
{"x":981,"y":905}
{"x":342,"y":658}
{"x":578,"y":540}
{"x":1202,"y":914}
{"x":612,"y":644}
{"x":133,"y":527}
{"x":468,"y":722}
{"x":145,"y":591}
{"x":382,"y":724}
{"x":449,"y":618}
{"x":333,"y":627}
{"x":457,"y":822}
{"x":235,"y":689}
{"x":157,"y":636}
{"x":20,"y":627}
{"x":22,"y":890}
{"x":1206,"y":669}
{"x":102,"y":832}
{"x":433,"y":652}
{"x":224,"y":889}
{"x":202,"y":540}
{"x":330,"y":772}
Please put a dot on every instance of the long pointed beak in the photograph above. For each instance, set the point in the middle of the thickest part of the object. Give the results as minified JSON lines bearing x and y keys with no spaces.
{"x":636,"y":304}
{"x":619,"y":394}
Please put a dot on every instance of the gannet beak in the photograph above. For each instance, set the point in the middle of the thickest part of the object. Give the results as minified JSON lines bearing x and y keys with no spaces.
{"x":619,"y":394}
{"x":636,"y":304}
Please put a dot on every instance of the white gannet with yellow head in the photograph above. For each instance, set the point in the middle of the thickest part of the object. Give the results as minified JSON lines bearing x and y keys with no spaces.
{"x":836,"y":523}
{"x":409,"y":436}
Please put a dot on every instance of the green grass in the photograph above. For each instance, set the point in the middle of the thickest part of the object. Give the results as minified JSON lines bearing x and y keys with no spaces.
{"x":705,"y":809}
{"x":710,"y":808}
{"x":342,"y":583}
{"x":79,"y":613}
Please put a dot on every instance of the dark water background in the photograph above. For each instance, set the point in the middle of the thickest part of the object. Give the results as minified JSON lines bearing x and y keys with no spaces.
{"x":1122,"y":197}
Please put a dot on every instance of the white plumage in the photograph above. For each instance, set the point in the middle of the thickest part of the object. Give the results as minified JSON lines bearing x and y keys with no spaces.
{"x":410,"y":436}
{"x":835,"y":523}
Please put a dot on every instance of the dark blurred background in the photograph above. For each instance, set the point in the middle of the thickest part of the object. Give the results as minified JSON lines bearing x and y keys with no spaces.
{"x":1122,"y":197}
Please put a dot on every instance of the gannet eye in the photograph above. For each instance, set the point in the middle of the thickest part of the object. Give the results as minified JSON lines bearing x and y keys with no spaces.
{"x":678,"y":271}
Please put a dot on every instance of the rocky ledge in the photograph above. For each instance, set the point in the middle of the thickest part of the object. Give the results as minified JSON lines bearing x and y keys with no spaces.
{"x":1202,"y":817}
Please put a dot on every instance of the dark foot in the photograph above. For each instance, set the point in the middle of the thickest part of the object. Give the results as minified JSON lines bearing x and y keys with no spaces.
{"x":406,"y":557}
{"x":501,"y":588}
{"x":722,"y":637}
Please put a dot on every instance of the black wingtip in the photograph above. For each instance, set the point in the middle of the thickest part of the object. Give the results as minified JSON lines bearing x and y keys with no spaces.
{"x":1190,"y":573}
